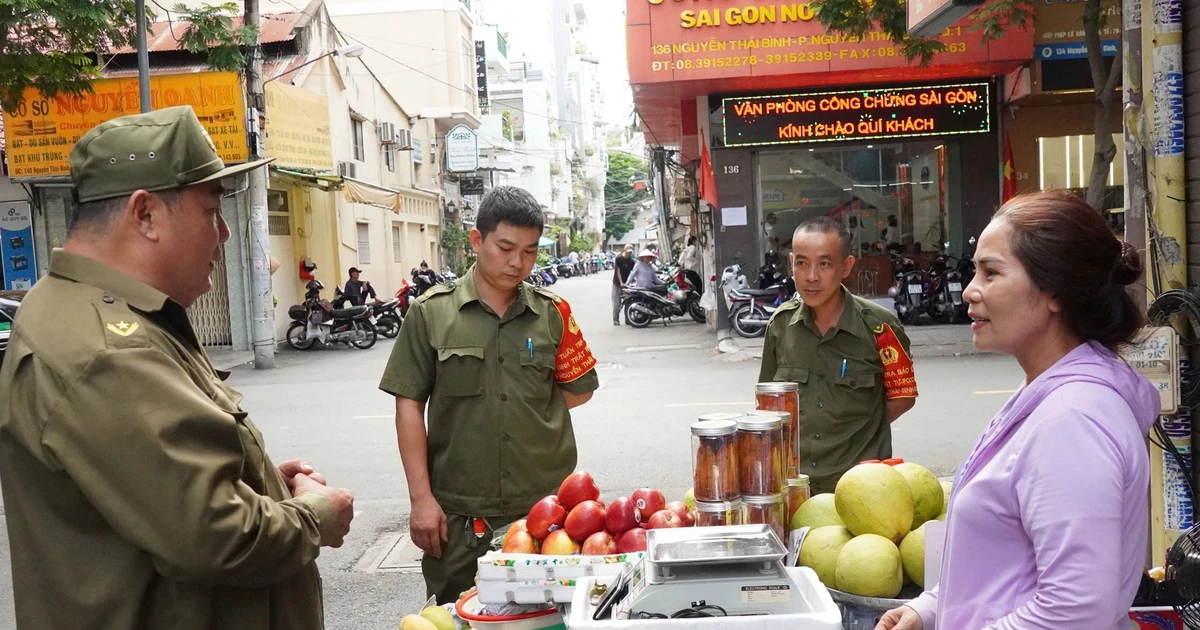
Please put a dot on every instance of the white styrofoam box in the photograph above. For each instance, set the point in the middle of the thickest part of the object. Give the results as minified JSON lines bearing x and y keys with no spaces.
{"x":824,"y":613}
{"x":527,"y":592}
{"x":520,"y":567}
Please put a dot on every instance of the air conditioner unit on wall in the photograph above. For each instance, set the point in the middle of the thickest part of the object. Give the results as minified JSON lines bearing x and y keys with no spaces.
{"x":387,"y":133}
{"x":404,"y":139}
{"x":348,"y":169}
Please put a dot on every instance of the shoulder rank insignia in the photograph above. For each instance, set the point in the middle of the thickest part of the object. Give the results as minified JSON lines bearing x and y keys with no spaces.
{"x":124,"y":328}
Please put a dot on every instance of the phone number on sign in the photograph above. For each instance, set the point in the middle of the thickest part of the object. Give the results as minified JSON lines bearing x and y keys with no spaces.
{"x":714,"y":62}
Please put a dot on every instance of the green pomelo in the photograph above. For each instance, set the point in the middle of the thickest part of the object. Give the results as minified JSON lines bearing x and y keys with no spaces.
{"x":870,"y":566}
{"x":818,"y":511}
{"x":821,"y":549}
{"x":912,"y":556}
{"x":927,"y":492}
{"x":875,"y":499}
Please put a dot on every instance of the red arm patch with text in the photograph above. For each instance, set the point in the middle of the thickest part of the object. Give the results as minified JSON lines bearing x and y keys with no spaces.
{"x":574,"y":358}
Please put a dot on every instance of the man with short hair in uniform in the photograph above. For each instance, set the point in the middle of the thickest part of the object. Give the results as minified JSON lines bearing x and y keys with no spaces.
{"x":138,"y":494}
{"x":499,"y":363}
{"x":849,"y":355}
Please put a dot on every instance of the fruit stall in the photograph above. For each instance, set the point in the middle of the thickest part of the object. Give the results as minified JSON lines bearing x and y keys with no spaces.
{"x":746,"y":547}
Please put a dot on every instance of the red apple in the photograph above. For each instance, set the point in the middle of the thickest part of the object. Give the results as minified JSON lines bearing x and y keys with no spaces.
{"x":577,"y":488}
{"x":558,"y":543}
{"x":665,"y":519}
{"x":687,"y":517}
{"x":632,"y":540}
{"x":648,"y":501}
{"x":546,"y":516}
{"x":518,"y":526}
{"x":599,"y":544}
{"x":603,"y":506}
{"x":586,"y":519}
{"x":519,"y":542}
{"x":621,"y":516}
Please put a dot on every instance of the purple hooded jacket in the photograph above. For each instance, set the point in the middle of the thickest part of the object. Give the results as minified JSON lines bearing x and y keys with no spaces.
{"x":1048,"y":518}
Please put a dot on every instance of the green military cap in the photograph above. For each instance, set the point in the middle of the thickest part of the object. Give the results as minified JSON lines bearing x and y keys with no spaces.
{"x":160,"y":150}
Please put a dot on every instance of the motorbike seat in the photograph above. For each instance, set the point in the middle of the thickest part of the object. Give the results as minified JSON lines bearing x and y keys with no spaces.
{"x":660,"y":289}
{"x":349,"y":313}
{"x":392,"y":303}
{"x":759,"y":292}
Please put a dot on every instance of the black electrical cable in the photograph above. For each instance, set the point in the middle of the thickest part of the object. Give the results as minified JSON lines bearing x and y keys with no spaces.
{"x":695,"y":612}
{"x":1160,"y":312}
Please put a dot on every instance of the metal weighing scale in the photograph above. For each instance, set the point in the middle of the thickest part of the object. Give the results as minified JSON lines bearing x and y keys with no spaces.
{"x":739,"y":568}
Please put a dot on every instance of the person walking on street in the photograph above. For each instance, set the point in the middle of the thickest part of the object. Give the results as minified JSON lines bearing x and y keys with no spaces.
{"x":137,"y":492}
{"x":498,"y":365}
{"x":357,"y":290}
{"x":622,"y":269}
{"x":849,"y":356}
{"x":690,"y":261}
{"x":1046,"y":525}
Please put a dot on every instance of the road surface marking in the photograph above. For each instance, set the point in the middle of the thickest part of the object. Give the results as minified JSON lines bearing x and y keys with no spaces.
{"x":996,"y":392}
{"x":717,"y":404}
{"x":389,"y":417}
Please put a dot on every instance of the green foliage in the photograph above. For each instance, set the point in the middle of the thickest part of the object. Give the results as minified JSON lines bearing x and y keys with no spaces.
{"x":620,"y":198}
{"x":506,"y":125}
{"x":581,"y":243}
{"x":210,"y":29}
{"x":544,"y":258}
{"x":49,"y":45}
{"x":857,"y":18}
{"x":456,"y":243}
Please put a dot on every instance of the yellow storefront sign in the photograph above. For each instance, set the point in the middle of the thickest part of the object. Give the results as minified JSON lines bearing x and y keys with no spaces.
{"x":298,"y":133}
{"x":42,"y":131}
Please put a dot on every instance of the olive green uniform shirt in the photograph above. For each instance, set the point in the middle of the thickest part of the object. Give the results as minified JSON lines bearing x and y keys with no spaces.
{"x":500,"y":436}
{"x":843,"y":419}
{"x":137,"y":493}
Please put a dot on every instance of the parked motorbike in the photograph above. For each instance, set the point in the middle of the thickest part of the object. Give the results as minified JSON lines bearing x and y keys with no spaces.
{"x":908,"y":290}
{"x":645,"y":304}
{"x":387,"y":318}
{"x":405,"y":296}
{"x":317,"y":320}
{"x":750,"y":310}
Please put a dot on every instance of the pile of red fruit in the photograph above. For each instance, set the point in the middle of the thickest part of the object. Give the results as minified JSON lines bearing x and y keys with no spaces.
{"x":577,"y":521}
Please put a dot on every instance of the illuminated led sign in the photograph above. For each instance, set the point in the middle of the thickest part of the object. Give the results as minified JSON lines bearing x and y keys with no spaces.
{"x":870,"y":114}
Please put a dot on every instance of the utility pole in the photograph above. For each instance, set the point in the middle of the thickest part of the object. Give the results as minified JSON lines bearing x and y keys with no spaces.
{"x":143,"y":58}
{"x":261,"y":306}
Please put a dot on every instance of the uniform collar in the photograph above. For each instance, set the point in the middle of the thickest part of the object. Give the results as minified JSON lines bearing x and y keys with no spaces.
{"x":466,"y":293}
{"x":851,"y":320}
{"x":92,"y":272}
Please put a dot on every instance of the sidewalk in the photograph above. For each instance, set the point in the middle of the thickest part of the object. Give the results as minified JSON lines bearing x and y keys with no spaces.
{"x":225,"y":359}
{"x":927,"y":341}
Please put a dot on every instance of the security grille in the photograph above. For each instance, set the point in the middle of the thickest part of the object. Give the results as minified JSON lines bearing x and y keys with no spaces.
{"x":210,"y":314}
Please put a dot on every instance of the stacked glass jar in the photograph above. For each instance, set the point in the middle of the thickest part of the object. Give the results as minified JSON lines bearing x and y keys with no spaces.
{"x":784,"y":398}
{"x":715,"y":470}
{"x":761,"y":470}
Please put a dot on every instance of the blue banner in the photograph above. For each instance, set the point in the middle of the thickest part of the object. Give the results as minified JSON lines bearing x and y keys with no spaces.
{"x":1078,"y":50}
{"x":16,"y":246}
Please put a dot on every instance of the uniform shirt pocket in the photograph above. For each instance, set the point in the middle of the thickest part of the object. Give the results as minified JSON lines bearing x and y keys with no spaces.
{"x":858,"y":393}
{"x":792,"y":374}
{"x":536,"y":376}
{"x":255,"y":463}
{"x":460,"y":371}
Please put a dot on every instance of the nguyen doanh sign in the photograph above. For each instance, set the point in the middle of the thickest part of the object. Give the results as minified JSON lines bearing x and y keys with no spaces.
{"x":42,"y":131}
{"x":869,"y":114}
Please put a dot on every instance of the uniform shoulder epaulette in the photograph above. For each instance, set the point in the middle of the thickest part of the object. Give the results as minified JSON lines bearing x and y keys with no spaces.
{"x":122,"y":326}
{"x":790,"y":305}
{"x":436,"y":290}
{"x":546,"y":293}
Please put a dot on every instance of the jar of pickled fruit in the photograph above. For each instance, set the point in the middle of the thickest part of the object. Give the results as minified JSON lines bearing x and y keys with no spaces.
{"x":718,"y":513}
{"x":715,"y":457}
{"x":798,"y":491}
{"x":766,"y":510}
{"x":785,"y":398}
{"x":760,"y":454}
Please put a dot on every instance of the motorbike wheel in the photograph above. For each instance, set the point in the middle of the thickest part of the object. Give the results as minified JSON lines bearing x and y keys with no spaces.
{"x":956,"y":315}
{"x":696,"y":311}
{"x":747,"y":330}
{"x":388,"y":326}
{"x":297,"y":337}
{"x":636,"y":318}
{"x":370,"y":336}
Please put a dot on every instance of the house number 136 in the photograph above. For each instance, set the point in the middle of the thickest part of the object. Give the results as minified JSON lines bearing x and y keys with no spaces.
{"x":731,"y":170}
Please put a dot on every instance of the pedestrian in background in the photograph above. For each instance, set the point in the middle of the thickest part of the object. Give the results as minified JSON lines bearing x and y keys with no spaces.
{"x":622,"y":270}
{"x":499,"y":364}
{"x":690,"y":262}
{"x":137,"y":492}
{"x":849,"y":356}
{"x":1047,"y":519}
{"x":644,"y":275}
{"x":357,"y":290}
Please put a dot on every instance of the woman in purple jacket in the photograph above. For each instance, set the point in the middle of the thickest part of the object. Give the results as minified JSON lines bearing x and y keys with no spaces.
{"x":1047,"y":523}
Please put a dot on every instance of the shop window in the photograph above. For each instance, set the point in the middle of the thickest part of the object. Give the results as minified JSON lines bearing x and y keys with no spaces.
{"x":397,"y":245}
{"x":364,"y":243}
{"x":279,"y":220}
{"x":359,"y":144}
{"x":389,"y":159}
{"x":1065,"y":162}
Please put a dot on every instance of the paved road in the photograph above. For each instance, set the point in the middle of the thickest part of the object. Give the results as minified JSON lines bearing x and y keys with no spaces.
{"x":324,"y":406}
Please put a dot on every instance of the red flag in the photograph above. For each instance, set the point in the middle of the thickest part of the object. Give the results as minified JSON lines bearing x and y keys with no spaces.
{"x":1010,"y":173}
{"x":705,"y":179}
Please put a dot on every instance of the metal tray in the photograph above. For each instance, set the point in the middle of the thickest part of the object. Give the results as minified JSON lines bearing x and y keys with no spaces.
{"x":713,"y":545}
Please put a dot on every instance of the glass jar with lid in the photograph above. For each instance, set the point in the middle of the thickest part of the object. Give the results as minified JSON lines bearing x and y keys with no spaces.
{"x":766,"y":510}
{"x":760,"y":454}
{"x":799,"y":490}
{"x":715,"y":457}
{"x":718,"y":513}
{"x":785,"y":398}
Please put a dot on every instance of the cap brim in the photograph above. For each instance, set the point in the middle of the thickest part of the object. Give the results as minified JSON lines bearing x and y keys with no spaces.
{"x":236,"y":169}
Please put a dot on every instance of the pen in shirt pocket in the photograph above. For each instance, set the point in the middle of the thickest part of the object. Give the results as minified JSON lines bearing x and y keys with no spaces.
{"x":529,"y":344}
{"x":844,"y":368}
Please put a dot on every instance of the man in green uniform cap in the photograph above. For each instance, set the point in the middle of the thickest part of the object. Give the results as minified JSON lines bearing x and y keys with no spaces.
{"x":137,"y":492}
{"x":499,"y":364}
{"x":849,"y":355}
